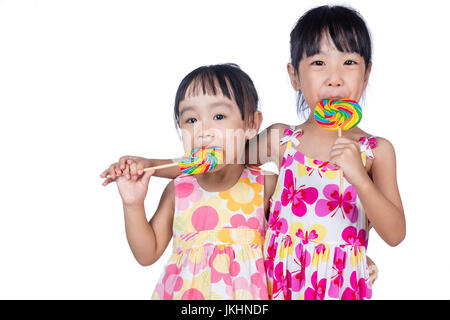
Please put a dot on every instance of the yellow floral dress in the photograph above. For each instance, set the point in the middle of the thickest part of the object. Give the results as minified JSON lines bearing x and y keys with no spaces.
{"x":217,"y":242}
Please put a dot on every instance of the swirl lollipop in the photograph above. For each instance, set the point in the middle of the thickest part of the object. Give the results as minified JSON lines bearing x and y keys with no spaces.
{"x":199,"y":160}
{"x":338,"y":115}
{"x":335,"y":115}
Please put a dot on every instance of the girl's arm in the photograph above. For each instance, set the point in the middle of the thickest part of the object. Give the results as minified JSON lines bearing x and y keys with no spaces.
{"x":261,"y":149}
{"x":149,"y":239}
{"x":379,"y":195}
{"x":265,"y":147}
{"x":132,"y":167}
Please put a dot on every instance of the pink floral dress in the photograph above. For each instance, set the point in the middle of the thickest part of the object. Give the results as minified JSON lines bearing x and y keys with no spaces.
{"x":316,"y":240}
{"x":217,"y":242}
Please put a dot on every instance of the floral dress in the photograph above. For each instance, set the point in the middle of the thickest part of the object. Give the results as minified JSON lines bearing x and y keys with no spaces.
{"x":217,"y":242}
{"x":316,"y":240}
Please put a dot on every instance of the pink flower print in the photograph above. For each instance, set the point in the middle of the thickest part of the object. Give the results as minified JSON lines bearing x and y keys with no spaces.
{"x":275,"y":222}
{"x":271,"y":253}
{"x":196,"y":260}
{"x":317,"y":292}
{"x":185,"y":193}
{"x":337,"y":280}
{"x":358,"y":290}
{"x":204,"y":218}
{"x":259,"y":282}
{"x":352,"y":239}
{"x":192,"y":294}
{"x":298,"y":196}
{"x":239,"y":221}
{"x":223,"y":265}
{"x":281,"y":282}
{"x":170,"y":283}
{"x":344,"y":202}
{"x":241,"y":284}
{"x":303,"y":260}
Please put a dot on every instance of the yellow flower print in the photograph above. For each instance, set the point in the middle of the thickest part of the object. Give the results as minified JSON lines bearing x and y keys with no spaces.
{"x":244,"y":195}
{"x":245,"y":237}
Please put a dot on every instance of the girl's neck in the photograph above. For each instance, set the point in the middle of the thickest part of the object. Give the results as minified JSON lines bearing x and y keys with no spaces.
{"x":222,"y":179}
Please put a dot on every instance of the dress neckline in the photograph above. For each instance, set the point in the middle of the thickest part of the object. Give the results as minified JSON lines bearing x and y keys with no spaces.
{"x":295,"y":134}
{"x":194,"y":180}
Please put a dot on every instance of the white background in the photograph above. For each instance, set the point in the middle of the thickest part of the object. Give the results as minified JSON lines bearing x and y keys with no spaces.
{"x":84,"y":82}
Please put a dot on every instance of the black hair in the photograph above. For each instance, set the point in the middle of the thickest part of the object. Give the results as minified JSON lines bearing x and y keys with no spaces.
{"x":346,"y":28}
{"x":226,"y":79}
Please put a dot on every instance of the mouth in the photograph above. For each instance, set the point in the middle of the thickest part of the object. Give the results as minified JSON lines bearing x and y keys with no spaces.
{"x":334,"y":98}
{"x":208,"y":146}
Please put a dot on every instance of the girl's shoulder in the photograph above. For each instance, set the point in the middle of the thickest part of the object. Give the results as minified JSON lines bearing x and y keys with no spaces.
{"x":384,"y":149}
{"x":379,"y":145}
{"x":278,"y":129}
{"x":381,"y":148}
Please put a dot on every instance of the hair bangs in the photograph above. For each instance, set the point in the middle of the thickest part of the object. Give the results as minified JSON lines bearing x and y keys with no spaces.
{"x":344,"y":26}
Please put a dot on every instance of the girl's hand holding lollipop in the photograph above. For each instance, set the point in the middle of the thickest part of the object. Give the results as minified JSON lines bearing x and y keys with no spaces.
{"x":133,"y":192}
{"x":199,"y":160}
{"x":338,"y":115}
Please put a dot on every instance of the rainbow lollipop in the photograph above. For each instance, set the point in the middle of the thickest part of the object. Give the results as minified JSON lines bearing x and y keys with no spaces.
{"x":338,"y":115}
{"x":199,"y":160}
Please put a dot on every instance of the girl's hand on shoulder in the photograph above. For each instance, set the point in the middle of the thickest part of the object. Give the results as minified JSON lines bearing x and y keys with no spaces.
{"x":135,"y":169}
{"x":346,"y":155}
{"x":133,"y":192}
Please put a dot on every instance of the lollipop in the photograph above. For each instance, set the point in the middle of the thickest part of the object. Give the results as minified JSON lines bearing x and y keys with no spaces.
{"x":338,"y":115}
{"x":199,"y":160}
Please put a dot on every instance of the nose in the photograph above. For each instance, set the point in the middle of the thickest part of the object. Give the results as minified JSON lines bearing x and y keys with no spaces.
{"x":205,"y":132}
{"x":334,"y":80}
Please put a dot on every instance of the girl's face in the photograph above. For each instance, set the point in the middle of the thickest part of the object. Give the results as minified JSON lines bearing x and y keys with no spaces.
{"x":330,"y":74}
{"x":214,"y":121}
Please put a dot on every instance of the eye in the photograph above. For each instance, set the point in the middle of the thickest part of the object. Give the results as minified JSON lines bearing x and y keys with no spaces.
{"x":219,"y":117}
{"x":317,"y":63}
{"x":349,"y":62}
{"x":191,"y":120}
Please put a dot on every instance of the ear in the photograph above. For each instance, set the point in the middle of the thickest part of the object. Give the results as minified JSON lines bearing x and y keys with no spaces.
{"x":367,"y":74}
{"x":295,"y":81}
{"x":254,"y":126}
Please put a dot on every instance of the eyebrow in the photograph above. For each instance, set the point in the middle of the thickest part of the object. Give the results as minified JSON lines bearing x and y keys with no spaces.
{"x":214,"y":105}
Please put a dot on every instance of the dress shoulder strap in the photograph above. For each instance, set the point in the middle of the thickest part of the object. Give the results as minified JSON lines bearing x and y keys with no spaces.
{"x":290,"y":136}
{"x":366,"y":145}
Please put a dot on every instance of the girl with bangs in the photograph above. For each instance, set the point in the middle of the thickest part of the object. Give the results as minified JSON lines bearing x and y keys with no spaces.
{"x":216,"y":218}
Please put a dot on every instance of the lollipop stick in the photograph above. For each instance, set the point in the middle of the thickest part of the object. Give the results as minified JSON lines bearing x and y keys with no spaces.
{"x":341,"y":180}
{"x":162,"y":166}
